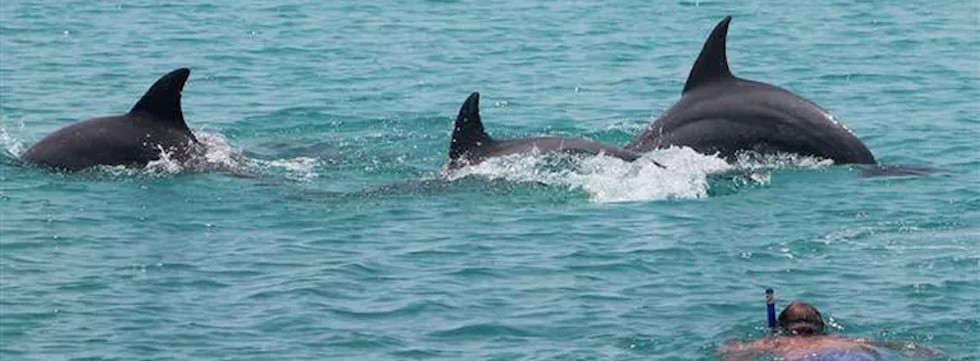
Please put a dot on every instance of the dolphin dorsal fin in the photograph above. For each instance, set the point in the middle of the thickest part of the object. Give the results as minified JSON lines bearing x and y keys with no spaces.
{"x":162,"y":100}
{"x":468,"y":131}
{"x":712,"y":63}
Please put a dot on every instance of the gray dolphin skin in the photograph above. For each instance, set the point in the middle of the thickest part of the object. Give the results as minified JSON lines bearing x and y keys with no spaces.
{"x":471,"y":144}
{"x":154,"y":124}
{"x":720,"y":113}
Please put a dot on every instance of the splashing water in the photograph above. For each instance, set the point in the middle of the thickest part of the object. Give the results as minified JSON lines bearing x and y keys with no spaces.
{"x":217,"y":154}
{"x":685,"y":175}
{"x":298,"y":169}
{"x":11,"y":145}
{"x":607,"y":179}
{"x":749,"y":160}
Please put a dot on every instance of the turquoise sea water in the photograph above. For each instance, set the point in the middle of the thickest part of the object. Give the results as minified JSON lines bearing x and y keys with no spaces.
{"x":352,"y":244}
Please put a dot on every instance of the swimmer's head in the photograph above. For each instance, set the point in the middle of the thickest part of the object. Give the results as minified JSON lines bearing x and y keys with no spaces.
{"x":800,"y":318}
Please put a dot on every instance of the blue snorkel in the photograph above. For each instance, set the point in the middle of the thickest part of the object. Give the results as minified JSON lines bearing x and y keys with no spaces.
{"x":771,"y":308}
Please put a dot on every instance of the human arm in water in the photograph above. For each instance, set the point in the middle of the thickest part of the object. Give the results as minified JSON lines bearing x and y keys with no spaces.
{"x":907,"y":347}
{"x":738,"y":351}
{"x":793,"y":348}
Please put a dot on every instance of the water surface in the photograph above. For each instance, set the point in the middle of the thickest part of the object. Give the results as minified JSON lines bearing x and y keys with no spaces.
{"x":351,"y":244}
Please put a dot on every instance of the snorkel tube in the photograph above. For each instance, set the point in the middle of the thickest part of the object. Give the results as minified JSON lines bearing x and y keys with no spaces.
{"x":771,"y":308}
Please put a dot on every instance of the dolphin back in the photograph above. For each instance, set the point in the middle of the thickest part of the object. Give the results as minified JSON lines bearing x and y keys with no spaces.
{"x":154,"y":124}
{"x":721,"y":113}
{"x":471,"y":144}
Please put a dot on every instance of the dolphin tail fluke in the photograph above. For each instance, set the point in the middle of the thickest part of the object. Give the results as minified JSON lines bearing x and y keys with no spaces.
{"x":162,"y":100}
{"x":712,"y":63}
{"x":468,"y":131}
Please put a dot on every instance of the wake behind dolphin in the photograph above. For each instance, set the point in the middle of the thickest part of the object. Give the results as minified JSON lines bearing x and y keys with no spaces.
{"x":720,"y":113}
{"x":153,"y":126}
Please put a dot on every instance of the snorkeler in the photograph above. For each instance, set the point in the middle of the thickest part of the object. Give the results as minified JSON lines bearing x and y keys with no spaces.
{"x":806,"y":340}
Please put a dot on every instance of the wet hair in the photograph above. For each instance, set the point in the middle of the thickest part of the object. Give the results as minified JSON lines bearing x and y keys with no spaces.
{"x":800,"y":318}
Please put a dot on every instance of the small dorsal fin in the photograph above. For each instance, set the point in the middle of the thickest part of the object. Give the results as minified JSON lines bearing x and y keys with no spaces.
{"x":162,"y":100}
{"x":468,"y":131}
{"x":712,"y":63}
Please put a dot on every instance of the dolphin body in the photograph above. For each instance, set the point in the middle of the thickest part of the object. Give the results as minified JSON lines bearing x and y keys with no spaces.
{"x":154,"y":125}
{"x":471,"y":145}
{"x":720,"y":113}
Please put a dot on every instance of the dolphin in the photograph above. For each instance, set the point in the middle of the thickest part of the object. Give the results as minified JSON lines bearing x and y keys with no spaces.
{"x":471,"y":145}
{"x":723,"y":114}
{"x":154,"y":125}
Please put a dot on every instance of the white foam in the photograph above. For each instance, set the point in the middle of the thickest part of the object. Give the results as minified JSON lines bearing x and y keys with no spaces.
{"x":756,"y":161}
{"x":164,"y":166}
{"x":13,"y":146}
{"x":218,"y":154}
{"x":214,"y":153}
{"x":607,"y":179}
{"x":299,"y":168}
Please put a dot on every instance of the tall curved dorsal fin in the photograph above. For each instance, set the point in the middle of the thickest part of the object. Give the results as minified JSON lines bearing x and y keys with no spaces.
{"x":712,"y":63}
{"x":162,"y":100}
{"x":468,"y":130}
